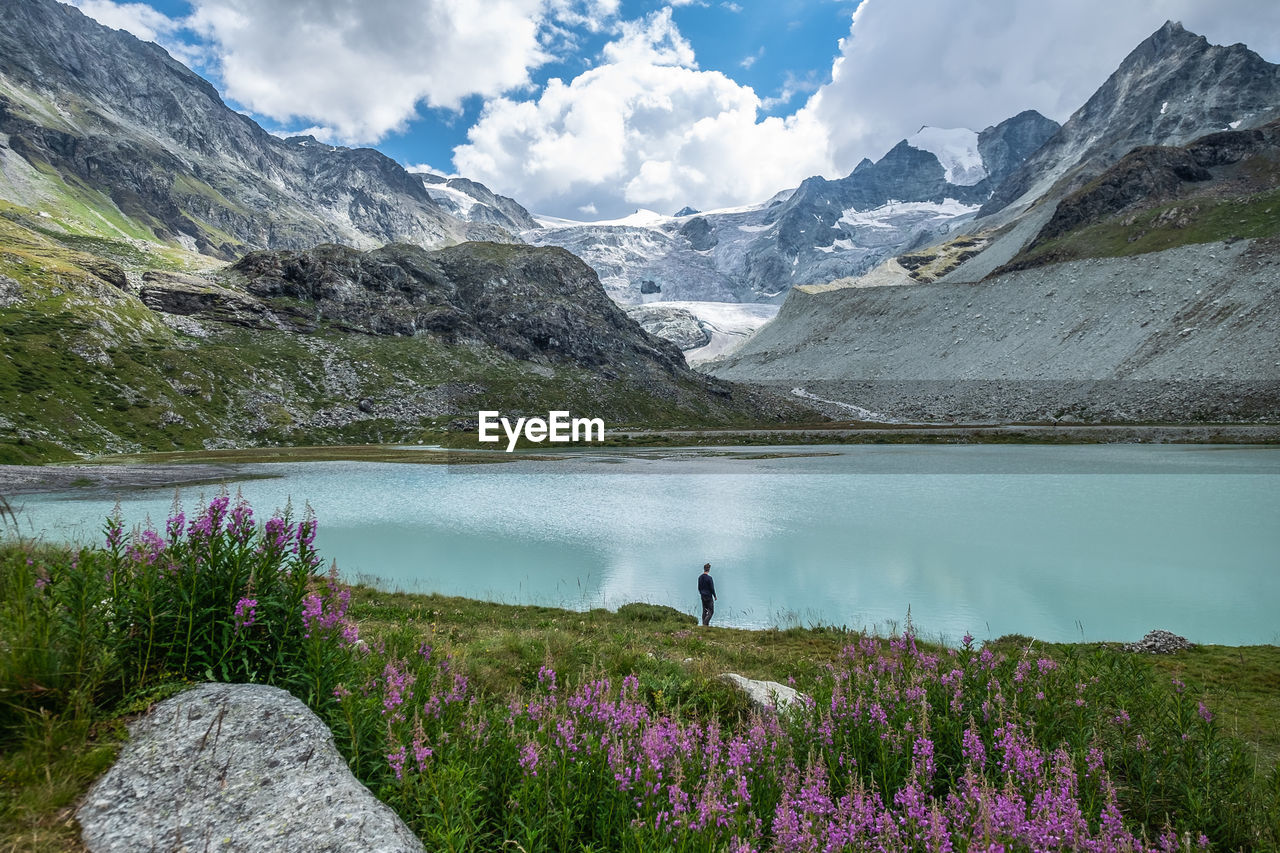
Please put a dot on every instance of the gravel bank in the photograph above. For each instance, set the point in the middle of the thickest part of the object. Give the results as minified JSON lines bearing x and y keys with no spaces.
{"x":1190,"y":334}
{"x":27,"y":479}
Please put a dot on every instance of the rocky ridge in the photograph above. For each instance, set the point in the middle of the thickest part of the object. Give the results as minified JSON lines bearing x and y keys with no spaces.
{"x":334,"y":346}
{"x":114,"y":136}
{"x":1237,"y":165}
{"x":820,"y":231}
{"x":1171,"y":89}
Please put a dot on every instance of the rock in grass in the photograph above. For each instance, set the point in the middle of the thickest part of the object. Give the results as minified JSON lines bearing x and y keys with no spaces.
{"x":1160,"y":642}
{"x":242,"y":767}
{"x":765,"y":695}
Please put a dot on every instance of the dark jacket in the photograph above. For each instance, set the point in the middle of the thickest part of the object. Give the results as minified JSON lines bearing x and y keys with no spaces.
{"x":706,"y":586}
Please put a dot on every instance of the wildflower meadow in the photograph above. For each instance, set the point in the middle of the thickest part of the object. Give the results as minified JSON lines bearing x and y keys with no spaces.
{"x":895,"y":745}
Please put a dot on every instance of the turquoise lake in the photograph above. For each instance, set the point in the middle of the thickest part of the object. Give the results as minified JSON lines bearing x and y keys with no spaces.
{"x":1060,"y":543}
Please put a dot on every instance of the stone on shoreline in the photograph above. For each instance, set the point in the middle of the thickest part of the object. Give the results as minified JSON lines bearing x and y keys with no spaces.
{"x":242,"y":767}
{"x":1160,"y":642}
{"x":765,"y":695}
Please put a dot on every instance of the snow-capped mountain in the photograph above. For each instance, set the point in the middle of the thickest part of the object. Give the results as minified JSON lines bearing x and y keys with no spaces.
{"x":472,"y":201}
{"x":1119,"y":274}
{"x":820,"y":231}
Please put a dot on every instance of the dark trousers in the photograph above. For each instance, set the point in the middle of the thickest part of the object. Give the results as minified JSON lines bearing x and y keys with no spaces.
{"x":708,"y":608}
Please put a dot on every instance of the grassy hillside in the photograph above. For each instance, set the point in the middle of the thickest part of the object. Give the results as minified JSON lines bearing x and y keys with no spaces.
{"x":1187,"y":221}
{"x":87,"y":368}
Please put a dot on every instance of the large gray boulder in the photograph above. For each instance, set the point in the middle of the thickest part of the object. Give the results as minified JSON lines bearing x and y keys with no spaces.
{"x":242,"y":767}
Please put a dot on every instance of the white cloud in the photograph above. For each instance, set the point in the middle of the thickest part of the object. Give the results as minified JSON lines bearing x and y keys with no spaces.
{"x":428,"y":169}
{"x":646,"y":128}
{"x":140,"y":19}
{"x":652,"y":40}
{"x":934,"y":62}
{"x":593,"y":15}
{"x":361,"y":67}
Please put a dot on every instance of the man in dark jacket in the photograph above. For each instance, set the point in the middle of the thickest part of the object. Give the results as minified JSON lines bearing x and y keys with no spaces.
{"x":707,"y":589}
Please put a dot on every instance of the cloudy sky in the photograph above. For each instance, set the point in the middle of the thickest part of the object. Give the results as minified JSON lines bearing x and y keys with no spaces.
{"x":590,"y":109}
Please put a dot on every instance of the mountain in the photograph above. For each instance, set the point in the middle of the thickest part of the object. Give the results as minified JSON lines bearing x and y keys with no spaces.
{"x":1143,"y":284}
{"x":1171,"y":89}
{"x":1220,"y":186}
{"x":322,"y":346}
{"x":820,"y":231}
{"x":125,"y":186}
{"x":113,"y":136}
{"x":472,"y":201}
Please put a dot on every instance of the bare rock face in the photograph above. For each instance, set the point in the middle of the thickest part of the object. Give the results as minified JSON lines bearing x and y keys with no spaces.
{"x":242,"y":767}
{"x":766,"y":695}
{"x":678,"y":325}
{"x":1174,"y":87}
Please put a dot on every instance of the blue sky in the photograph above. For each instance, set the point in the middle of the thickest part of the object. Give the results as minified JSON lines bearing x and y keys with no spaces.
{"x":593,"y":108}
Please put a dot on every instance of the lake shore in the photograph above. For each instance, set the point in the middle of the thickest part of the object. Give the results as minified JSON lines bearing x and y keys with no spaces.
{"x":205,"y":467}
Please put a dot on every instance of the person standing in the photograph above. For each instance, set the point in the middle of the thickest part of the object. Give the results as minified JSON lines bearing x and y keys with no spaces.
{"x":707,"y":589}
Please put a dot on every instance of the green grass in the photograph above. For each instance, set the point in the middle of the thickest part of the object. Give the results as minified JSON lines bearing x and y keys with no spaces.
{"x":1167,"y":226}
{"x":45,"y":775}
{"x":94,"y":377}
{"x":503,"y":645}
{"x":1244,"y":682}
{"x":62,"y":730}
{"x":1241,"y":683}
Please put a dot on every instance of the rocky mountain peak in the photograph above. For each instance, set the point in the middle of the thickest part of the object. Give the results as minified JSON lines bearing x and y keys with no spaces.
{"x":144,"y":139}
{"x":1172,"y":88}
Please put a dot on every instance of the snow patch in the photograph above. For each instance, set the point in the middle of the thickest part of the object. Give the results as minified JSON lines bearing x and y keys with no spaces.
{"x":956,"y":149}
{"x":440,"y":192}
{"x":728,"y":323}
{"x":880,"y":217}
{"x":841,"y":245}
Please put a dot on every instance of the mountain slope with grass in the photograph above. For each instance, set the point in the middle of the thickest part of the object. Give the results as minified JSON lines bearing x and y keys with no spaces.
{"x":111,"y":136}
{"x":329,"y":345}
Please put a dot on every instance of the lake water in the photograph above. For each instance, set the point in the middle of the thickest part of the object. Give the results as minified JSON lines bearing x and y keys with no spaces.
{"x":1061,"y":543}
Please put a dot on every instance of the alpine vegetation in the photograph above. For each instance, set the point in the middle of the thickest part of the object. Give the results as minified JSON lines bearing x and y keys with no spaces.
{"x":903,"y":745}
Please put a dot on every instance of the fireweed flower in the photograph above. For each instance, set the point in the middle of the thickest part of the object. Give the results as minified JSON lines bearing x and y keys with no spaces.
{"x":245,"y":613}
{"x":529,"y":759}
{"x":241,"y":526}
{"x":396,"y":760}
{"x":115,"y":529}
{"x":421,"y":753}
{"x":397,"y":686}
{"x":277,"y":533}
{"x":173,"y":527}
{"x":1205,"y":713}
{"x":145,"y":548}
